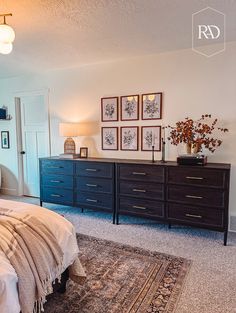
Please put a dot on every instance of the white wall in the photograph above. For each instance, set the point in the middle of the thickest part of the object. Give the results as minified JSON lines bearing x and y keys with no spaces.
{"x":191,"y":84}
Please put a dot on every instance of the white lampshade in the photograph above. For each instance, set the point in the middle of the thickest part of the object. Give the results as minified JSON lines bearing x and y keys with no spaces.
{"x":7,"y":34}
{"x":69,"y":129}
{"x":6,"y":48}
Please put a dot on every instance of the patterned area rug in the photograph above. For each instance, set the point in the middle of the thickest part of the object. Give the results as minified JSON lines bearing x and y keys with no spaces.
{"x":122,"y":279}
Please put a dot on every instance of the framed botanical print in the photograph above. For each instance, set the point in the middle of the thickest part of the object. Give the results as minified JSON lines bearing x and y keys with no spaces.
{"x":129,"y":138}
{"x":109,"y":109}
{"x":109,"y":138}
{"x":5,"y":142}
{"x":129,"y":108}
{"x":151,"y":136}
{"x":152,"y":106}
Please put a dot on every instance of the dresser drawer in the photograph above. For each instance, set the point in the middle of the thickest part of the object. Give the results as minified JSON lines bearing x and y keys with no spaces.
{"x":57,"y":167}
{"x":96,"y":200}
{"x":57,"y":195}
{"x":193,"y":195}
{"x":196,"y":176}
{"x":94,"y":184}
{"x":57,"y":180}
{"x":141,"y":172}
{"x":142,"y":189}
{"x":94,"y":169}
{"x":141,"y":207}
{"x":195,"y":215}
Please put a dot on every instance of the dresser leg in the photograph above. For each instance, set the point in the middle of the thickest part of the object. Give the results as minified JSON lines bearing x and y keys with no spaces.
{"x":169,"y":225}
{"x":225,"y":237}
{"x":41,"y":203}
{"x":117,"y":219}
{"x":82,"y":210}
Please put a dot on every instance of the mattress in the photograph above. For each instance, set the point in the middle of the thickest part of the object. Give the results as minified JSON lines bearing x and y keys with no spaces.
{"x":64,"y":232}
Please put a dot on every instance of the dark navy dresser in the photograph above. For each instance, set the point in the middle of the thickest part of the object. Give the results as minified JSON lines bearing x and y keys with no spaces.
{"x":176,"y":194}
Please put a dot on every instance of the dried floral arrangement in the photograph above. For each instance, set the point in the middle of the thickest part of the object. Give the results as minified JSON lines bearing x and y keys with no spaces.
{"x":196,"y":134}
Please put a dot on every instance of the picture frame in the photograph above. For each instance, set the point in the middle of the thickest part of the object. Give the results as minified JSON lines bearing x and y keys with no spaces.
{"x":110,"y":109}
{"x":109,"y":138}
{"x":129,"y":108}
{"x":83,"y":153}
{"x":5,"y":140}
{"x":129,"y":138}
{"x":150,"y":136}
{"x":152,"y":106}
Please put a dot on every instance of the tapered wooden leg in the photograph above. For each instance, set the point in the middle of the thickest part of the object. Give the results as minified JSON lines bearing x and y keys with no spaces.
{"x":41,"y":203}
{"x":117,"y":218}
{"x":82,"y":210}
{"x":225,"y":237}
{"x":169,"y":225}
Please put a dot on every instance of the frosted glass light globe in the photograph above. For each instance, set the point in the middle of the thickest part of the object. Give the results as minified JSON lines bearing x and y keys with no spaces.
{"x":6,"y":48}
{"x":7,"y":34}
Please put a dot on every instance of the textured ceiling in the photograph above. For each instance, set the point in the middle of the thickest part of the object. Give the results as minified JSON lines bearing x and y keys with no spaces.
{"x":54,"y":34}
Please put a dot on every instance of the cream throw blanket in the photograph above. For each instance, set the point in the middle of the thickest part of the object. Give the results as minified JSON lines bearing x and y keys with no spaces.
{"x":35,"y":255}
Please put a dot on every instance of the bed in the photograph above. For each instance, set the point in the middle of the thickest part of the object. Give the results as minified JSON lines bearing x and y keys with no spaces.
{"x":65,"y":236}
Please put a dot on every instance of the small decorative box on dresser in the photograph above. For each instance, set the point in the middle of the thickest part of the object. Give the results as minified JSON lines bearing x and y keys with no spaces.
{"x":176,"y":194}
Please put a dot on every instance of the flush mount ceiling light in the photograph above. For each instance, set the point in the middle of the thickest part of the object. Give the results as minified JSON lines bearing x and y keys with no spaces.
{"x":7,"y":36}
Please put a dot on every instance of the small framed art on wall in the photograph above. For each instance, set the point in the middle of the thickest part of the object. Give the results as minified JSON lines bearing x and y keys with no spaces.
{"x":152,"y":106}
{"x":5,"y":141}
{"x":129,"y":108}
{"x":109,"y":109}
{"x":151,"y":136}
{"x":109,"y":138}
{"x":129,"y":138}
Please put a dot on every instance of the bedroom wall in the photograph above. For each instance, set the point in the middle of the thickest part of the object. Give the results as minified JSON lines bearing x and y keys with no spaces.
{"x":191,"y":84}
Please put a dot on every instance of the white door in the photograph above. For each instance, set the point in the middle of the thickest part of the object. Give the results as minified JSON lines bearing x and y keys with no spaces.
{"x":34,"y":139}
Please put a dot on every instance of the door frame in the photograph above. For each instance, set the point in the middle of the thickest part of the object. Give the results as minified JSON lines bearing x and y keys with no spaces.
{"x":17,"y":97}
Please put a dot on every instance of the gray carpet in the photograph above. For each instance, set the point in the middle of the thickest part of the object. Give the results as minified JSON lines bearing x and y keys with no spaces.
{"x":211,"y":283}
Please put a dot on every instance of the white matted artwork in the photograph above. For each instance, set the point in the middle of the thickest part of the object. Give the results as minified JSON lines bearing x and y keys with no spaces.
{"x":129,"y":108}
{"x":109,"y":109}
{"x":151,"y":136}
{"x":109,"y":138}
{"x":129,"y":138}
{"x":152,"y":106}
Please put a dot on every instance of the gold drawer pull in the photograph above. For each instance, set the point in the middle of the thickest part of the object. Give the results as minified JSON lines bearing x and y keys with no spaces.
{"x":193,"y":215}
{"x":55,"y":167}
{"x":139,"y":207}
{"x":91,"y":185}
{"x":139,"y":190}
{"x":56,"y":181}
{"x":139,"y":173}
{"x":55,"y":196}
{"x":92,"y":200}
{"x":193,"y":177}
{"x":90,"y":170}
{"x":193,"y":197}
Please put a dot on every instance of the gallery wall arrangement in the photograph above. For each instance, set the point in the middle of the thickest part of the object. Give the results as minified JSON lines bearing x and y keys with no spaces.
{"x":127,"y":108}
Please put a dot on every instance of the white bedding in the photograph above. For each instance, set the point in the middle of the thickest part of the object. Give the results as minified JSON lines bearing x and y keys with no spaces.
{"x":64,"y":232}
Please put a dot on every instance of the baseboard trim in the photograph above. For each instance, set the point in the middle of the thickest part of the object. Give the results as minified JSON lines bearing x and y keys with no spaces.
{"x":9,"y":191}
{"x":232,"y":225}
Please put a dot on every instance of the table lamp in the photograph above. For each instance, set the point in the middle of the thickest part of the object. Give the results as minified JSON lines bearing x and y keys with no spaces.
{"x":69,"y":130}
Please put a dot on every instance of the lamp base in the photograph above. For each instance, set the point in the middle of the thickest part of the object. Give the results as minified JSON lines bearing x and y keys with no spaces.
{"x":69,"y":146}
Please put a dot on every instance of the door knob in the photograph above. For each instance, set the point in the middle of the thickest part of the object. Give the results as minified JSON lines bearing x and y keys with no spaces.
{"x":22,"y":152}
